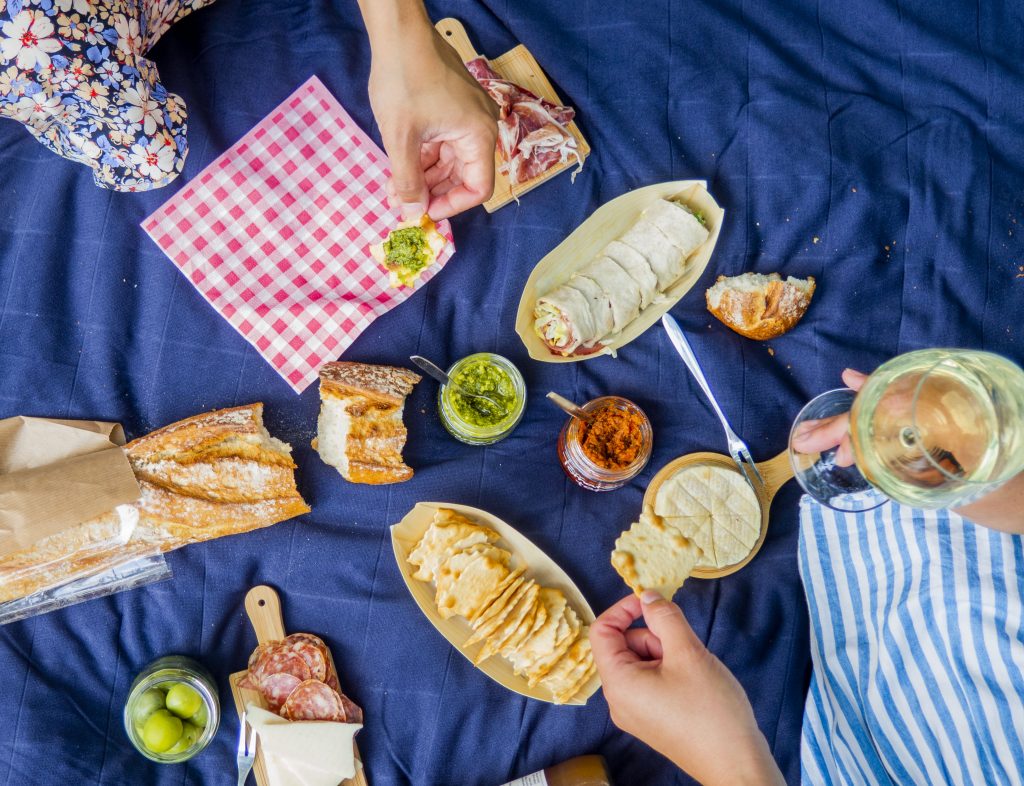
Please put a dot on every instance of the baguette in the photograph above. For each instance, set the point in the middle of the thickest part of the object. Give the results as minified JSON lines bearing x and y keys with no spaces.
{"x":215,"y":474}
{"x":758,"y":306}
{"x":360,"y":430}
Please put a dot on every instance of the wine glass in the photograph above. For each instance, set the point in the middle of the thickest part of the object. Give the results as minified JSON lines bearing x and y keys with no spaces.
{"x":933,"y":428}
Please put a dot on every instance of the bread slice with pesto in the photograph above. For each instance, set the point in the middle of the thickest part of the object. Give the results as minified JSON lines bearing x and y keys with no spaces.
{"x":408,"y":250}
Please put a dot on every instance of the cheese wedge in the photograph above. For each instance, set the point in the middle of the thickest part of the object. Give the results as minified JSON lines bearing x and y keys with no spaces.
{"x":304,"y":753}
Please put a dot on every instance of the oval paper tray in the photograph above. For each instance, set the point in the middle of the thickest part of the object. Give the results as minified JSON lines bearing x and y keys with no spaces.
{"x":539,"y":567}
{"x":605,"y":224}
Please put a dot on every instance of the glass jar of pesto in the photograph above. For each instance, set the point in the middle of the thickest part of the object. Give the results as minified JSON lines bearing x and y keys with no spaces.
{"x":476,"y":421}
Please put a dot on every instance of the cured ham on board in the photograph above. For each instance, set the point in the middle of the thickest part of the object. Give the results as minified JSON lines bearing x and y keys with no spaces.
{"x":533,"y":136}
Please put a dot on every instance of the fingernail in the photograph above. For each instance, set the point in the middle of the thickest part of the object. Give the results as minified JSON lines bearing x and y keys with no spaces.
{"x":650,"y":596}
{"x":413,"y":210}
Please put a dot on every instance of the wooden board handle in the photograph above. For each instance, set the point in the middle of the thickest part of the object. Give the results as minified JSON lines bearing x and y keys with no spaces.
{"x":264,"y":608}
{"x":776,"y":473}
{"x":455,"y":34}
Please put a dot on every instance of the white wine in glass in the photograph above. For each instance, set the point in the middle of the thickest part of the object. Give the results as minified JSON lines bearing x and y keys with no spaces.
{"x":940,"y":427}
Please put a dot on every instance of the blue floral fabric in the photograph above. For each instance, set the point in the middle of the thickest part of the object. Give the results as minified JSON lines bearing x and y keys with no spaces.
{"x":73,"y":72}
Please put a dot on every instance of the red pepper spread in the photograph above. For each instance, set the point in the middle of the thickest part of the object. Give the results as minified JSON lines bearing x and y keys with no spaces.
{"x":613,"y":438}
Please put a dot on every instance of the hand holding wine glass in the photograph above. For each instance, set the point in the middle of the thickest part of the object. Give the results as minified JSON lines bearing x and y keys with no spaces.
{"x":932,"y":428}
{"x":821,"y":434}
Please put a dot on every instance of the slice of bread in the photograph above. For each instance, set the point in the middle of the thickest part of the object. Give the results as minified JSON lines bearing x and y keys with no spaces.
{"x":760,"y":306}
{"x":360,"y":430}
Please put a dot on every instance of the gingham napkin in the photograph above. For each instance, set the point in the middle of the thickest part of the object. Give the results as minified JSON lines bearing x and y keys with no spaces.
{"x":275,"y":234}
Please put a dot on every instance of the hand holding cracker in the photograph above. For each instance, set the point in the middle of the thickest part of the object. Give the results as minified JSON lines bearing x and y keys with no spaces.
{"x":664,"y":687}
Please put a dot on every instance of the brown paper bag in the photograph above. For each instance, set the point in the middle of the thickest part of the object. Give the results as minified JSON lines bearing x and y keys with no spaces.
{"x":55,"y":474}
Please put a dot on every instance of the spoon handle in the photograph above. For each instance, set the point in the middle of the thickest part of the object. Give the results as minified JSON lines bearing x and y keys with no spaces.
{"x":567,"y":406}
{"x":430,"y":369}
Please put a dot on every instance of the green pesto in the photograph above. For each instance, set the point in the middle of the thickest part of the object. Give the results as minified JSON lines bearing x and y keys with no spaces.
{"x":486,"y":379}
{"x":407,"y":250}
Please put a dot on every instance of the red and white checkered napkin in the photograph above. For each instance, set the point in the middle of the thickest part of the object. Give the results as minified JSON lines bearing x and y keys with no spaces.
{"x":275,"y":234}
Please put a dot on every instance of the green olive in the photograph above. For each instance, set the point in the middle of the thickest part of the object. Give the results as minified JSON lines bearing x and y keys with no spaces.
{"x":146,"y":704}
{"x":188,"y":738}
{"x":161,"y":731}
{"x":183,"y":700}
{"x":201,"y":718}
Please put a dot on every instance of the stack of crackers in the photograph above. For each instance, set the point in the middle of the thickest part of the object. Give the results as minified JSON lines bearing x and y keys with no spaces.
{"x":533,"y":627}
{"x":703,"y":516}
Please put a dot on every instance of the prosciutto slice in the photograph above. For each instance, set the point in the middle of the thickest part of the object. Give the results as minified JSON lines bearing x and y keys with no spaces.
{"x":532,"y":133}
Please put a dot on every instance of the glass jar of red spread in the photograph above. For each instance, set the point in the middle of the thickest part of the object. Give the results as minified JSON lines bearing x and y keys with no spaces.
{"x":608,"y":450}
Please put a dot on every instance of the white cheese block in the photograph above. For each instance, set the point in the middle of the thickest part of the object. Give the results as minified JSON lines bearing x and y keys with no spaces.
{"x":716,"y":508}
{"x":304,"y":753}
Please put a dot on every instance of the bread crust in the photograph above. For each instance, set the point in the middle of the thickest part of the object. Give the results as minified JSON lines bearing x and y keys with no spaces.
{"x":387,"y":384}
{"x":218,"y":473}
{"x":765,"y":313}
{"x":373,"y":398}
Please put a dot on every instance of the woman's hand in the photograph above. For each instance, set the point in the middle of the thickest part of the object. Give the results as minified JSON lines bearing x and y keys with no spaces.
{"x":815,"y":436}
{"x":664,"y":687}
{"x":438,"y":125}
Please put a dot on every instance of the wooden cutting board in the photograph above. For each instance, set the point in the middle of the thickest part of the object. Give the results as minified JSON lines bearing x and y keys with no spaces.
{"x":264,"y":608}
{"x":518,"y":66}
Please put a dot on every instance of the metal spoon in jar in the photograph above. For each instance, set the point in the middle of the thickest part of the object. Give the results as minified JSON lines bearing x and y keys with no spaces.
{"x":434,"y":371}
{"x":570,"y":408}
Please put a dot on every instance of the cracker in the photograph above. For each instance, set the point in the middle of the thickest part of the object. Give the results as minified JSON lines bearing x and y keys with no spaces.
{"x":523,"y":615}
{"x":652,"y":554}
{"x":506,"y":603}
{"x":465,"y":579}
{"x":448,"y":534}
{"x":487,"y":602}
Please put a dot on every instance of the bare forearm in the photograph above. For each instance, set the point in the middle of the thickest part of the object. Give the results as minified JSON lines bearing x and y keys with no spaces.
{"x":1003,"y":509}
{"x":393,"y":24}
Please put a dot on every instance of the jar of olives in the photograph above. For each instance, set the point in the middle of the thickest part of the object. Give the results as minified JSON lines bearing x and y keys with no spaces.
{"x":172,"y":711}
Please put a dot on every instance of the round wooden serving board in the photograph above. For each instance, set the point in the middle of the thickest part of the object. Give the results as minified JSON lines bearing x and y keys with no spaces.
{"x":776,"y":472}
{"x":263,"y":605}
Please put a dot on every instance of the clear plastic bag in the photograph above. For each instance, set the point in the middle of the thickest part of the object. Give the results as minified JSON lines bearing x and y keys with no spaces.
{"x":128,"y":575}
{"x":92,"y":559}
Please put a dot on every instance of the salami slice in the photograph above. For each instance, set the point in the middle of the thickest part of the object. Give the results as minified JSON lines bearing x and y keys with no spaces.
{"x":276,"y":689}
{"x":353,"y":712}
{"x":314,"y":700}
{"x":312,"y":651}
{"x":332,"y":679}
{"x":281,"y":660}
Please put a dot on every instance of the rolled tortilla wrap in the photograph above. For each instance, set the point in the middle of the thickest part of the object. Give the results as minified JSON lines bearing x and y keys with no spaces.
{"x":600,"y":304}
{"x":678,"y":224}
{"x":621,"y":290}
{"x":563,"y":320}
{"x":635,"y":264}
{"x":665,"y":259}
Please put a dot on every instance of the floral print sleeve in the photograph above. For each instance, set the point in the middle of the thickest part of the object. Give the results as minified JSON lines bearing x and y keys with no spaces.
{"x":73,"y":72}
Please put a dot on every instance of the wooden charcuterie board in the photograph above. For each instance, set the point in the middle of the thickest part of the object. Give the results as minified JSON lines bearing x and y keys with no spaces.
{"x":263,"y":605}
{"x":519,"y":66}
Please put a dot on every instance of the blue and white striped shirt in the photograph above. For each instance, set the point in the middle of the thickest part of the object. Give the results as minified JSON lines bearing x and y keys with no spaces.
{"x":918,"y":648}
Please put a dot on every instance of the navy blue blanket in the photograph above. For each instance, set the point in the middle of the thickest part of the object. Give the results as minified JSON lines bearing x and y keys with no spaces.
{"x":874,"y":145}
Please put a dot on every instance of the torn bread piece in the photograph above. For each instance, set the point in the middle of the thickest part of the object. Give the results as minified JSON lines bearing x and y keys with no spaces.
{"x":760,"y":306}
{"x":360,"y":430}
{"x":408,"y":250}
